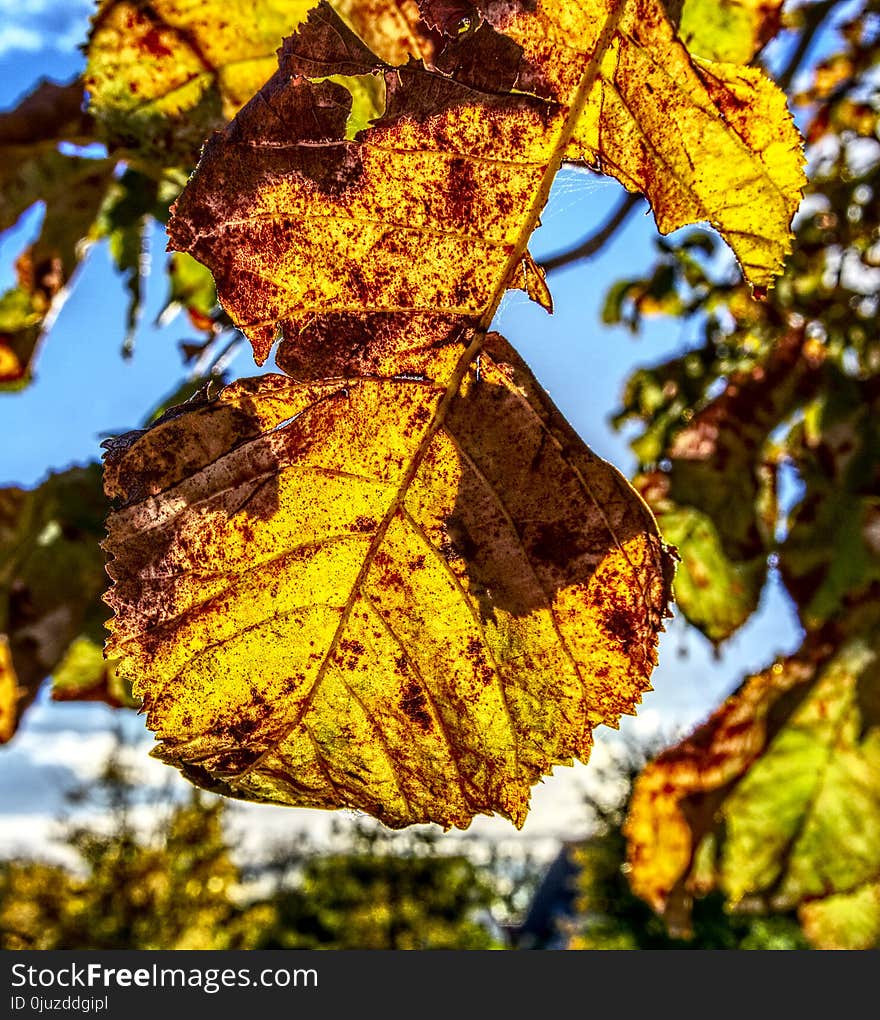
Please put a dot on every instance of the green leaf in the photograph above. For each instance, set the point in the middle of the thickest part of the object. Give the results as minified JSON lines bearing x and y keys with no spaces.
{"x":715,"y":489}
{"x":774,"y":799}
{"x":831,"y":554}
{"x":715,"y":593}
{"x":191,"y":287}
{"x":85,"y":675}
{"x":730,"y":31}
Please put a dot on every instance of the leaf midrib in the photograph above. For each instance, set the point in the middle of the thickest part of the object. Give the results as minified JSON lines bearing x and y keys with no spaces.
{"x":460,"y":371}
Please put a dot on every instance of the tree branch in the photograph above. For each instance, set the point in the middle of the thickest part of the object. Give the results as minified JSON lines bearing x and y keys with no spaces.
{"x":814,"y":18}
{"x":591,"y":245}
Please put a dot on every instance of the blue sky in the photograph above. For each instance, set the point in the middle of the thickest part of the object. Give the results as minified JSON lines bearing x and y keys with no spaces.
{"x":84,"y":390}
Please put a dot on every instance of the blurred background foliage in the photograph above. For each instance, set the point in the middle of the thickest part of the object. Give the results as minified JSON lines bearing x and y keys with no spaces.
{"x":183,"y":883}
{"x":759,"y":453}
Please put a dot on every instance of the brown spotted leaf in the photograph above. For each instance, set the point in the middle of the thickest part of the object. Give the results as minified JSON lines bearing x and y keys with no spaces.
{"x":294,"y":216}
{"x":774,"y":799}
{"x":394,"y":287}
{"x":702,"y":141}
{"x":163,"y":75}
{"x":353,"y":589}
{"x":305,"y":237}
{"x":325,"y":601}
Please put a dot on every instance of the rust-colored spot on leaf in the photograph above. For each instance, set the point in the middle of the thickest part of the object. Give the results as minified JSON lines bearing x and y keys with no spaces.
{"x":329,"y":652}
{"x":414,"y":705}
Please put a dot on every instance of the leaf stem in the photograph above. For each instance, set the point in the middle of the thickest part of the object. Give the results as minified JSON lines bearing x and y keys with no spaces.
{"x":814,"y":19}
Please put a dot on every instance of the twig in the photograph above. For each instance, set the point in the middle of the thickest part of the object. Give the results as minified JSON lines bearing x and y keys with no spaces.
{"x":220,"y":362}
{"x":814,"y":18}
{"x":587,"y":248}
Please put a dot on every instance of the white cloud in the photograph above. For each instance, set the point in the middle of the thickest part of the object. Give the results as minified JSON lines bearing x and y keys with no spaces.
{"x":18,"y":37}
{"x":31,"y":26}
{"x":28,"y":835}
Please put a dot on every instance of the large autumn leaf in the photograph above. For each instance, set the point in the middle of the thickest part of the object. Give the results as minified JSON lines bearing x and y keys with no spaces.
{"x":252,"y":184}
{"x":33,"y":170}
{"x":774,"y":799}
{"x":382,"y":295}
{"x":324,"y":604}
{"x":51,"y":577}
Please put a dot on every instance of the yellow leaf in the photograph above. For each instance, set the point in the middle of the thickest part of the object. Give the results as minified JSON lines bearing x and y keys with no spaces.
{"x":403,"y":595}
{"x":32,"y":170}
{"x":8,"y":692}
{"x":85,"y":675}
{"x":848,"y":920}
{"x":662,"y":833}
{"x":253,"y":550}
{"x":163,"y":75}
{"x":703,"y":141}
{"x":532,"y":280}
{"x":773,"y":800}
{"x":729,"y":31}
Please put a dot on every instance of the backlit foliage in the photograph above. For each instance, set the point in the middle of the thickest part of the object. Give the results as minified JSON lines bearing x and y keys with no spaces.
{"x":187,"y":883}
{"x":774,"y":800}
{"x":392,"y":578}
{"x":387,"y":293}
